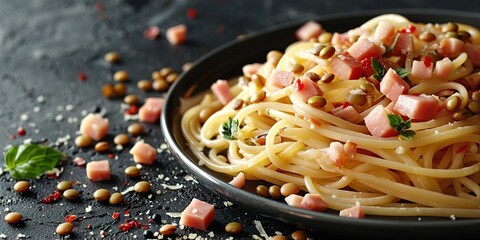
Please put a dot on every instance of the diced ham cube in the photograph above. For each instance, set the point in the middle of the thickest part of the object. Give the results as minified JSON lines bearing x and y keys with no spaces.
{"x":341,"y":39}
{"x":377,"y":123}
{"x":143,"y":153}
{"x":177,"y":34}
{"x":313,"y":202}
{"x":238,"y":181}
{"x":310,"y":29}
{"x":420,"y":108}
{"x":294,"y":200}
{"x":353,"y":212}
{"x":473,"y":52}
{"x":79,"y":161}
{"x":392,"y":85}
{"x":420,"y":70}
{"x":150,"y":111}
{"x":385,"y":32}
{"x":442,"y":68}
{"x":221,"y":90}
{"x":345,"y":67}
{"x":451,"y":47}
{"x":94,"y":126}
{"x":305,"y":88}
{"x":336,"y":154}
{"x":279,"y":79}
{"x":348,"y":113}
{"x":98,"y":170}
{"x":250,"y":69}
{"x":404,"y":44}
{"x":198,"y":214}
{"x":364,"y":48}
{"x":350,"y":148}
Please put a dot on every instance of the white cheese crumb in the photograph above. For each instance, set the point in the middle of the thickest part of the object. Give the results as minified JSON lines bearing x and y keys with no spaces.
{"x":173,"y":187}
{"x":400,"y":150}
{"x":119,"y":147}
{"x":69,"y":107}
{"x":260,"y":229}
{"x":190,"y":178}
{"x":3,"y":236}
{"x":174,"y":214}
{"x":6,"y":209}
{"x":59,"y":118}
{"x":40,"y":99}
{"x":227,"y":203}
{"x":20,"y":236}
{"x":36,"y":109}
{"x":192,"y":236}
{"x":24,"y":117}
{"x":453,"y":217}
{"x":88,"y":209}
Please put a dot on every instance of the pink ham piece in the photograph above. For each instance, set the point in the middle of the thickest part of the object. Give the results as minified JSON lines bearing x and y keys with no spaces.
{"x":392,"y":85}
{"x":150,"y":111}
{"x":250,"y":69}
{"x":94,"y":126}
{"x":364,"y":48}
{"x":313,"y":202}
{"x":238,"y":181}
{"x":79,"y":161}
{"x":442,"y":68}
{"x":143,"y":153}
{"x":353,"y":212}
{"x":294,"y":200}
{"x":385,"y":32}
{"x":404,"y":44}
{"x":451,"y":47}
{"x":177,"y":35}
{"x":98,"y":170}
{"x":336,"y":154}
{"x":305,"y":88}
{"x":377,"y":123}
{"x":345,"y":67}
{"x":309,"y":30}
{"x":279,"y":79}
{"x":198,"y":214}
{"x":473,"y":52}
{"x":420,"y":70}
{"x":420,"y":108}
{"x":348,"y":113}
{"x":341,"y":39}
{"x":221,"y":90}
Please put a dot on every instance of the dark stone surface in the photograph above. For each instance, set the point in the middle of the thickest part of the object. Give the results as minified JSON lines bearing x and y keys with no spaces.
{"x":46,"y":44}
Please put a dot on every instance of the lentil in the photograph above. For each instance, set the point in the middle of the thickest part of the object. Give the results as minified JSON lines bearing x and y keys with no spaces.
{"x":121,"y":139}
{"x":288,"y":189}
{"x":427,"y":37}
{"x":157,"y":76}
{"x":142,"y":187}
{"x":13,"y":217}
{"x":120,"y":76}
{"x":101,"y":146}
{"x":115,"y":198}
{"x":327,"y":52}
{"x":262,"y":190}
{"x":135,"y":129}
{"x":237,"y":103}
{"x":21,"y":186}
{"x":120,"y":89}
{"x":451,"y":35}
{"x":71,"y":194}
{"x":299,"y":235}
{"x":64,"y":229}
{"x":165,"y":71}
{"x":130,"y":99}
{"x":463,"y":35}
{"x":274,"y":192}
{"x":476,"y":96}
{"x":168,"y":229}
{"x":450,"y":27}
{"x":317,"y":101}
{"x":278,"y":237}
{"x":101,"y":195}
{"x":205,"y":113}
{"x":160,"y":85}
{"x":112,"y":57}
{"x":317,"y":48}
{"x":297,"y":68}
{"x":172,"y":77}
{"x":258,"y":97}
{"x":327,"y":78}
{"x":108,"y":91}
{"x":274,"y":57}
{"x":313,"y":76}
{"x":452,"y":103}
{"x":367,"y":87}
{"x":474,"y":107}
{"x":325,"y":37}
{"x":132,"y":171}
{"x":144,"y":85}
{"x":356,"y":99}
{"x":461,"y":115}
{"x":233,"y":228}
{"x":83,"y":141}
{"x":64,"y":185}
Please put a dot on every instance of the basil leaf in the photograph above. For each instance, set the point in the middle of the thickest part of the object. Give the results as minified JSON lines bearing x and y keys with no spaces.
{"x":401,"y":126}
{"x":31,"y":160}
{"x":230,"y":128}
{"x":408,"y":134}
{"x":402,"y":72}
{"x":378,"y":68}
{"x":394,"y":120}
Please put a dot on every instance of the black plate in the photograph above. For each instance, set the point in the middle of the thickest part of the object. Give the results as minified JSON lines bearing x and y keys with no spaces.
{"x":226,"y":62}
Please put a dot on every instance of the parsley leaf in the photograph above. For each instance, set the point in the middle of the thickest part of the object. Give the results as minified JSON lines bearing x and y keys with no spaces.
{"x":31,"y":160}
{"x":402,"y":72}
{"x":378,"y":68}
{"x":230,"y":128}
{"x":389,"y":49}
{"x":402,"y":127}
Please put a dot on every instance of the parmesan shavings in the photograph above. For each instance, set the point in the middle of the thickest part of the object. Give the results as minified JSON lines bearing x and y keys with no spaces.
{"x":172,"y":187}
{"x":260,"y":229}
{"x":174,"y":214}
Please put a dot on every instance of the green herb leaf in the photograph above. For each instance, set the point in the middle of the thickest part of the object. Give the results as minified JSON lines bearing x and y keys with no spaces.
{"x":230,"y":128}
{"x":31,"y":160}
{"x":402,"y":127}
{"x":402,"y":72}
{"x":389,"y":49}
{"x":378,"y":68}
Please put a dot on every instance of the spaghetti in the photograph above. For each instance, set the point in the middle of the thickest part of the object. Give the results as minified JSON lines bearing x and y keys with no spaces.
{"x":320,"y":137}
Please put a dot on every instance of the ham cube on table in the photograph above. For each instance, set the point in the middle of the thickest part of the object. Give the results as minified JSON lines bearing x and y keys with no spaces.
{"x":98,"y":170}
{"x":150,"y":111}
{"x":143,"y":153}
{"x":198,"y":214}
{"x":94,"y":126}
{"x":177,"y":35}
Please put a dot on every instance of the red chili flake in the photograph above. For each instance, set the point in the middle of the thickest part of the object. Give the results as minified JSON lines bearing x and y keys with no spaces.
{"x":89,"y":226}
{"x":151,"y":33}
{"x":82,"y":76}
{"x":126,"y":213}
{"x":462,"y":148}
{"x":52,"y":197}
{"x":13,"y":136}
{"x":115,"y":215}
{"x":70,"y":218}
{"x":129,"y":225}
{"x":409,"y":29}
{"x":145,"y":227}
{"x":299,"y":85}
{"x":427,"y":61}
{"x":345,"y":104}
{"x":192,"y":13}
{"x":111,"y":155}
{"x":150,"y":221}
{"x":21,"y":131}
{"x":99,"y":6}
{"x":132,"y":110}
{"x":367,"y":67}
{"x":125,"y":184}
